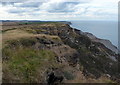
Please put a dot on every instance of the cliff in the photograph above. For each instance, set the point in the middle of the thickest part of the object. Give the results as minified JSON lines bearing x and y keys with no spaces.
{"x":107,"y":43}
{"x":53,"y":53}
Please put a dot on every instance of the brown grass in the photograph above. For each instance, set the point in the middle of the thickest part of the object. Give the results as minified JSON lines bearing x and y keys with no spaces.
{"x":17,"y":33}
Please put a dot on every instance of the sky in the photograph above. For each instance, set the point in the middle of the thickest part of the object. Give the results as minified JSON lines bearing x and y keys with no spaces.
{"x":59,"y":10}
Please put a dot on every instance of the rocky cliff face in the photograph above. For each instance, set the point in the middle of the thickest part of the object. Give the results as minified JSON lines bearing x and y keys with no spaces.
{"x":54,"y":53}
{"x":107,"y":43}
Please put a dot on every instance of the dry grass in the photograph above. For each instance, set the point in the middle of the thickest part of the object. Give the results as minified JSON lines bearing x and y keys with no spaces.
{"x":14,"y":34}
{"x":17,"y":34}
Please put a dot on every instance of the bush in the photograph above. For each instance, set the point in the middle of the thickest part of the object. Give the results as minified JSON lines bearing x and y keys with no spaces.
{"x":68,"y":75}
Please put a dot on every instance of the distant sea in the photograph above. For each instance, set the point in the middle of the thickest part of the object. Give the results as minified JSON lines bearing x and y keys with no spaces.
{"x":101,"y":29}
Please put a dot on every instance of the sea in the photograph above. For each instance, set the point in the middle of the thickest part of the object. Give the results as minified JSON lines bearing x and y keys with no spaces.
{"x":101,"y":29}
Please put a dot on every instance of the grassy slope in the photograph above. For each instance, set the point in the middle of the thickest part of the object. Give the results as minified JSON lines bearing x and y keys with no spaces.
{"x":24,"y":61}
{"x":21,"y":60}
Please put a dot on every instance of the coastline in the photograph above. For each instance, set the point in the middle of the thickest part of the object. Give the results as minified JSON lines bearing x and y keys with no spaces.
{"x":107,"y":43}
{"x":66,"y":48}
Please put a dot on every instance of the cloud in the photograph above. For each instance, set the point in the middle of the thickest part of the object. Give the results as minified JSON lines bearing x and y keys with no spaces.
{"x":28,"y":4}
{"x":7,"y":3}
{"x":16,"y":11}
{"x":59,"y":9}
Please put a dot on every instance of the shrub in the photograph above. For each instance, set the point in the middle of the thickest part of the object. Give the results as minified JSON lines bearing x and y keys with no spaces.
{"x":68,"y":75}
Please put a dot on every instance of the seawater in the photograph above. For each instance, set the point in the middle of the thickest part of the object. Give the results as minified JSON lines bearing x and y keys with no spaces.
{"x":101,"y":29}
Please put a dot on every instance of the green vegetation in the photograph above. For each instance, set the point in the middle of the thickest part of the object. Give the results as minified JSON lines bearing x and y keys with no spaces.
{"x":27,"y":42}
{"x":110,"y":82}
{"x":68,"y":75}
{"x":23,"y":59}
{"x":27,"y":23}
{"x":26,"y":61}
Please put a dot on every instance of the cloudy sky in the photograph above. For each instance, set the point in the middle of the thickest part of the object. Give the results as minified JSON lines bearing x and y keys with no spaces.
{"x":59,"y":9}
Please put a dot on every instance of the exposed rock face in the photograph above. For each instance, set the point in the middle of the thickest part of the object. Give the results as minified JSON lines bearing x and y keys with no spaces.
{"x":107,"y":43}
{"x":73,"y":56}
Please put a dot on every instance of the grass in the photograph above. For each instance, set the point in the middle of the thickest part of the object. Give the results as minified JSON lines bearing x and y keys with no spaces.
{"x":24,"y":62}
{"x":27,"y":23}
{"x":21,"y":60}
{"x":16,"y":35}
{"x":8,"y":30}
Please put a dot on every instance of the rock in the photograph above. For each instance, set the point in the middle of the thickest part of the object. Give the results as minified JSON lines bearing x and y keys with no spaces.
{"x":52,"y":78}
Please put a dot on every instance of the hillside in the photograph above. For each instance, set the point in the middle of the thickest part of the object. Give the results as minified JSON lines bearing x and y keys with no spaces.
{"x":53,"y":52}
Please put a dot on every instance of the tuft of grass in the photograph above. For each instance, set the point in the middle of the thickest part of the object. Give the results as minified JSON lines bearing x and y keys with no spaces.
{"x":56,"y":38}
